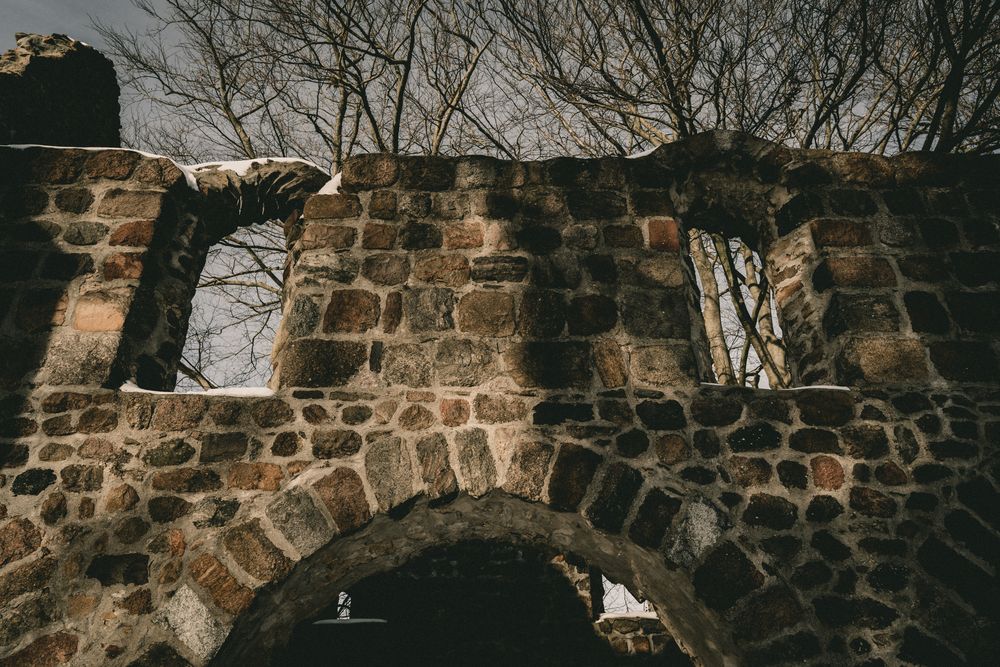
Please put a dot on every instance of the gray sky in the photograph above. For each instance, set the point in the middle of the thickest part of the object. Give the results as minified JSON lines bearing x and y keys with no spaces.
{"x":69,"y":17}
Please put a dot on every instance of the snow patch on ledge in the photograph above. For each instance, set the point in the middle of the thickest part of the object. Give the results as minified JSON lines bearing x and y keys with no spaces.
{"x":241,"y":167}
{"x":188,"y":171}
{"x":836,"y":387}
{"x":332,"y":186}
{"x":628,"y":614}
{"x":133,"y":388}
{"x":648,"y":151}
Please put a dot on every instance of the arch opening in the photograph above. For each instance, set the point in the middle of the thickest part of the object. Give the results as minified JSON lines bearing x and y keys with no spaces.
{"x":348,"y":563}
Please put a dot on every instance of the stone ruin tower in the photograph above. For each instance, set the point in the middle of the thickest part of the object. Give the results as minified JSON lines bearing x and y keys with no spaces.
{"x":476,"y":351}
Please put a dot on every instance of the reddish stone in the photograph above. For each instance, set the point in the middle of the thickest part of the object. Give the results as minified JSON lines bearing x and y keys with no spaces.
{"x":463,"y":235}
{"x":450,"y":270}
{"x":416,"y":418}
{"x":255,"y":476}
{"x":255,"y":553}
{"x":18,"y":538}
{"x":126,"y":266}
{"x":664,"y":234}
{"x":227,"y":593}
{"x":47,"y":651}
{"x":487,"y":313}
{"x":378,"y":236}
{"x":99,"y":311}
{"x":344,"y":496}
{"x":454,"y":411}
{"x":137,"y":602}
{"x":498,"y":409}
{"x":827,"y":472}
{"x":120,"y":203}
{"x":351,"y":311}
{"x":113,"y":164}
{"x":393,"y":313}
{"x":138,"y":233}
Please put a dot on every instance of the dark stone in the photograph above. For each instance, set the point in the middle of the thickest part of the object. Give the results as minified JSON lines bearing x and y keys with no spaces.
{"x":615,"y":495}
{"x":591,"y":314}
{"x":838,"y":612}
{"x":699,"y":475}
{"x":285,"y":444}
{"x":335,"y":444}
{"x":653,"y":519}
{"x":549,"y":413}
{"x":823,"y":509}
{"x":888,"y":577}
{"x":661,"y":415}
{"x":716,"y":410}
{"x":320,"y":363}
{"x":797,"y":648}
{"x":973,"y":584}
{"x":725,"y":576}
{"x":979,"y":496}
{"x":754,"y":438}
{"x":32,"y":482}
{"x":542,"y":314}
{"x":965,"y":361}
{"x":770,"y":511}
{"x":499,"y":268}
{"x":656,"y":314}
{"x":870,"y":502}
{"x":927,"y":315}
{"x":538,"y":240}
{"x":82,"y":477}
{"x":160,"y":654}
{"x":814,"y":440}
{"x":829,"y":546}
{"x":865,"y":441}
{"x":596,"y":204}
{"x":860,"y":312}
{"x":919,"y":649}
{"x":782,"y":547}
{"x":223,"y":447}
{"x":164,"y":509}
{"x":767,"y":613}
{"x":122,"y":569}
{"x":420,"y":236}
{"x":571,"y":475}
{"x":170,"y":453}
{"x":812,"y":574}
{"x":823,"y":407}
{"x":707,"y":443}
{"x":550,"y":364}
{"x":601,"y":268}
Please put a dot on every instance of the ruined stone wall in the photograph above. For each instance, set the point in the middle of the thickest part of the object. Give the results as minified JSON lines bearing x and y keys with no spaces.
{"x":476,"y":349}
{"x":57,"y":91}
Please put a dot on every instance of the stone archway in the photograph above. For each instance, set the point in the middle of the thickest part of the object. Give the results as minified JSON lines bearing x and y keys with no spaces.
{"x":387,"y":543}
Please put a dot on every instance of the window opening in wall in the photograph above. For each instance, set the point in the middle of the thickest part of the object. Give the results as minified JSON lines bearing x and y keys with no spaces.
{"x":738,"y":307}
{"x":235,"y":311}
{"x":613,"y":598}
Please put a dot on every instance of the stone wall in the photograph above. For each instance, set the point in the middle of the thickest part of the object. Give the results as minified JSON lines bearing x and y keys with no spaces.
{"x":484,"y":350}
{"x":57,"y":91}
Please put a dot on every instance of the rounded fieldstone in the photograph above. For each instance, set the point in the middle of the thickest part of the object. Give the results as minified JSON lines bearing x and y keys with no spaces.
{"x":32,"y":482}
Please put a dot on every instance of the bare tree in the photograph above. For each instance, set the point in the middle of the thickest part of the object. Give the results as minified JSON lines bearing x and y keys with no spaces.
{"x":324,"y":79}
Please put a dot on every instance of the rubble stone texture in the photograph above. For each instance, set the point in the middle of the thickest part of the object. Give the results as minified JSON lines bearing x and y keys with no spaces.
{"x":475,"y":349}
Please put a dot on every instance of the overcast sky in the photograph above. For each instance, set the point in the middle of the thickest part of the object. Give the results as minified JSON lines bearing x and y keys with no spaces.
{"x":69,"y":17}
